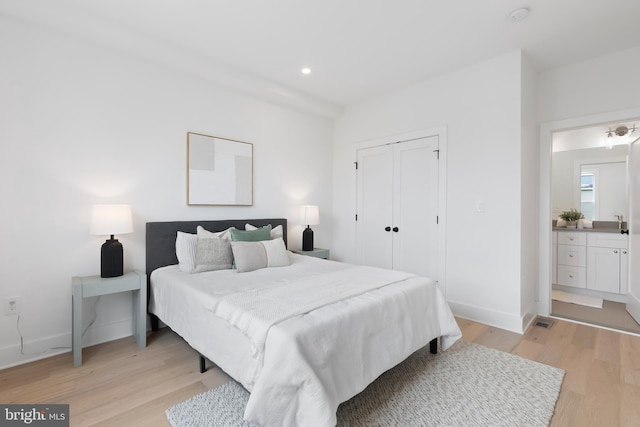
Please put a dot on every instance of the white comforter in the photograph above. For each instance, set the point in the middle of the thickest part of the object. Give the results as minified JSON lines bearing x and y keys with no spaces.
{"x":313,"y":356}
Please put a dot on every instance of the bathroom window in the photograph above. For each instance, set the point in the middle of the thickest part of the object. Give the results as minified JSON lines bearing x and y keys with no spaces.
{"x":587,"y":195}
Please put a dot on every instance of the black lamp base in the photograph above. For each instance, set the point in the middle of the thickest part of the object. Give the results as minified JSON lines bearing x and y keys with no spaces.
{"x":307,"y":239}
{"x":111,"y":256}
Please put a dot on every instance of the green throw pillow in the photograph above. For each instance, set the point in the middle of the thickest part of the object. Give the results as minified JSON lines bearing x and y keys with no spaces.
{"x":263,"y":233}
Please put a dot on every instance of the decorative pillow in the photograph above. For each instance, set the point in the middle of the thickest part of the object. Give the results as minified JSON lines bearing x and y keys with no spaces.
{"x":263,"y":233}
{"x":213,"y":253}
{"x":186,"y":245}
{"x":250,"y":256}
{"x":275,"y":232}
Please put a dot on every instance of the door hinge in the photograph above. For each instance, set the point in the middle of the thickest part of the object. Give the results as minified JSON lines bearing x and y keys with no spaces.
{"x":437,"y":154}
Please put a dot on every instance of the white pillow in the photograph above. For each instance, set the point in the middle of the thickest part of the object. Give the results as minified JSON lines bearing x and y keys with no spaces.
{"x":275,"y":232}
{"x":250,"y":256}
{"x":203,"y":232}
{"x":186,"y":245}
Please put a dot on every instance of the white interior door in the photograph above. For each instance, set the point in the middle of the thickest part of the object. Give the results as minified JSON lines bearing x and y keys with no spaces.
{"x":374,"y":207}
{"x":415,"y":215}
{"x":633,"y":293}
{"x":397,"y":206}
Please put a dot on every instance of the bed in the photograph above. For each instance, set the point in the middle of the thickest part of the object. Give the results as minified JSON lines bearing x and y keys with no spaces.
{"x":303,"y":337}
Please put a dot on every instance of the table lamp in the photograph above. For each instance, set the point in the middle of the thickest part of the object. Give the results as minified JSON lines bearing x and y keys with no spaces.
{"x":110,"y":220}
{"x":310,"y":215}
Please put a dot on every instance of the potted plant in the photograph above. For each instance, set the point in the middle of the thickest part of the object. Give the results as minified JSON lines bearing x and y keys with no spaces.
{"x":571,"y":217}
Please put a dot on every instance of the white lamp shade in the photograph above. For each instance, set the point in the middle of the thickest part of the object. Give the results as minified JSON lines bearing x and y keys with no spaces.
{"x":111,"y":219}
{"x":309,"y":215}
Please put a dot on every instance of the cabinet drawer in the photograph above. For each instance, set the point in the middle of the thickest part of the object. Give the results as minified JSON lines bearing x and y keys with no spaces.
{"x":572,"y":255}
{"x":607,"y":240}
{"x":572,"y":238}
{"x":572,"y":276}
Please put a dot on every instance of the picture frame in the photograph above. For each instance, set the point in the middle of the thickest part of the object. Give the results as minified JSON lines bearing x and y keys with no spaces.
{"x":219,"y":171}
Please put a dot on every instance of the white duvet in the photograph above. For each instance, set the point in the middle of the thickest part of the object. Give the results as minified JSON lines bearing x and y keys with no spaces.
{"x":319,"y":331}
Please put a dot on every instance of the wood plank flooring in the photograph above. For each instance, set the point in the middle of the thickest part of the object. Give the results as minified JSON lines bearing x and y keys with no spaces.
{"x":122,"y":385}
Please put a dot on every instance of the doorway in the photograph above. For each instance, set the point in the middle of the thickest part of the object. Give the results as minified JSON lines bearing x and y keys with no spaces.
{"x":551,"y":134}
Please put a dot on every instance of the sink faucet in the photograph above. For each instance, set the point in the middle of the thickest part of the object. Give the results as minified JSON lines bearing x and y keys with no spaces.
{"x":619,"y":221}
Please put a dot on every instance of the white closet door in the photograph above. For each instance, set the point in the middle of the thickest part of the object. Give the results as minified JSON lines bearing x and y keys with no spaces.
{"x":415,"y":192}
{"x":397,"y":206}
{"x":374,"y":207}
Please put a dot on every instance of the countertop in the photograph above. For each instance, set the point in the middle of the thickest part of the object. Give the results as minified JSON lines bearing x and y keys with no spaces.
{"x":589,"y":230}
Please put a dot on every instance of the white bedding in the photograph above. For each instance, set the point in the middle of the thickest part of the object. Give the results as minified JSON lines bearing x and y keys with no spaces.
{"x":303,"y":362}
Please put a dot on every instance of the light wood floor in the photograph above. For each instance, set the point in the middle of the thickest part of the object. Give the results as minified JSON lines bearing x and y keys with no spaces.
{"x":121,"y":385}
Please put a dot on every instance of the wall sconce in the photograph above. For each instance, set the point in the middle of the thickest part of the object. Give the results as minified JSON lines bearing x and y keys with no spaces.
{"x":110,"y":220}
{"x":309,"y":215}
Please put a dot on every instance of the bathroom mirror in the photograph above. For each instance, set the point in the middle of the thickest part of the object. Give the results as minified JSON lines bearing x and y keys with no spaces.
{"x":603,"y":188}
{"x":593,"y":181}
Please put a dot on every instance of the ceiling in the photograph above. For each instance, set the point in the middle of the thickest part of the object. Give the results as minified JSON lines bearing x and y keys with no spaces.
{"x":362,"y":48}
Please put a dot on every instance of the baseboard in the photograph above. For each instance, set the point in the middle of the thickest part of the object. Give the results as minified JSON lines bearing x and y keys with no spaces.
{"x":53,"y":345}
{"x":507,"y":321}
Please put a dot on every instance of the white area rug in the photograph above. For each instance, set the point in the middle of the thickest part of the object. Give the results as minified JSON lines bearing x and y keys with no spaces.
{"x":467,"y":385}
{"x":577,"y":299}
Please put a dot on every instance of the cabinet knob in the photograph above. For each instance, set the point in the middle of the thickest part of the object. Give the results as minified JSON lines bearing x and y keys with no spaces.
{"x":570,"y":255}
{"x":571,"y":276}
{"x":396,"y":229}
{"x":387,"y":228}
{"x":624,"y":252}
{"x":615,"y":251}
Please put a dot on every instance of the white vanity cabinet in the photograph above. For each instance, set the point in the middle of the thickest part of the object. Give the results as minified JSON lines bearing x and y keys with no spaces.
{"x":607,"y":262}
{"x":572,"y":259}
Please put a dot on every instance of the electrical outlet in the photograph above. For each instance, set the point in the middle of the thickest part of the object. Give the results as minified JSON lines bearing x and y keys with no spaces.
{"x":11,"y":305}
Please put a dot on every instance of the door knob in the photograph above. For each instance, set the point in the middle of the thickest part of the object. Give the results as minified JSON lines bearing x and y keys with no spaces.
{"x":395,"y":229}
{"x":387,"y":228}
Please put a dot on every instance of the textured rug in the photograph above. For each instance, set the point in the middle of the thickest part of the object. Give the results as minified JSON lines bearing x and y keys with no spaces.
{"x":467,"y":385}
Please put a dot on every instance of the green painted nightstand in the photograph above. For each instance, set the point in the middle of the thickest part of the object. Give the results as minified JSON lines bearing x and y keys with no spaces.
{"x":316,"y":252}
{"x":92,"y":286}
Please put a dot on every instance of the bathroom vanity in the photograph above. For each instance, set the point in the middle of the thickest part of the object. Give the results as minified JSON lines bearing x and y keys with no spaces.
{"x":595,"y":260}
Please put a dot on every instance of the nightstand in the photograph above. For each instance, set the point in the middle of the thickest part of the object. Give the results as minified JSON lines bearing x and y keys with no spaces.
{"x":316,"y":252}
{"x":93,"y":286}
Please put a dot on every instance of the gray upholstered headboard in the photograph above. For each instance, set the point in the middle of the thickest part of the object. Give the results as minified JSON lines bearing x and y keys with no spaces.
{"x":161,"y":236}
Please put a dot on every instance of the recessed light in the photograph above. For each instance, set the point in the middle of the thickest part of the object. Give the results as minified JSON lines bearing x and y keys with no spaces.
{"x":519,"y":14}
{"x":306,"y":71}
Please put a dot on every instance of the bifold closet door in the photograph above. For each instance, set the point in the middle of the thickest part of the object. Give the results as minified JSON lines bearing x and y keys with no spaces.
{"x":398,"y":206}
{"x":375,"y":206}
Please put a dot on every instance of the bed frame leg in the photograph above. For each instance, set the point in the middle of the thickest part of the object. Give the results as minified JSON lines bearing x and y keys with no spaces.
{"x":203,"y":367}
{"x":155,"y":322}
{"x":433,"y":346}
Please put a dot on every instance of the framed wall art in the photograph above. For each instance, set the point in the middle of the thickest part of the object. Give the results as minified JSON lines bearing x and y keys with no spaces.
{"x":219,"y":171}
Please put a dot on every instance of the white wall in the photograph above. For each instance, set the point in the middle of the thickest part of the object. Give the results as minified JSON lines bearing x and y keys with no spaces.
{"x":480,"y":107}
{"x":529,"y":271}
{"x":84,"y":124}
